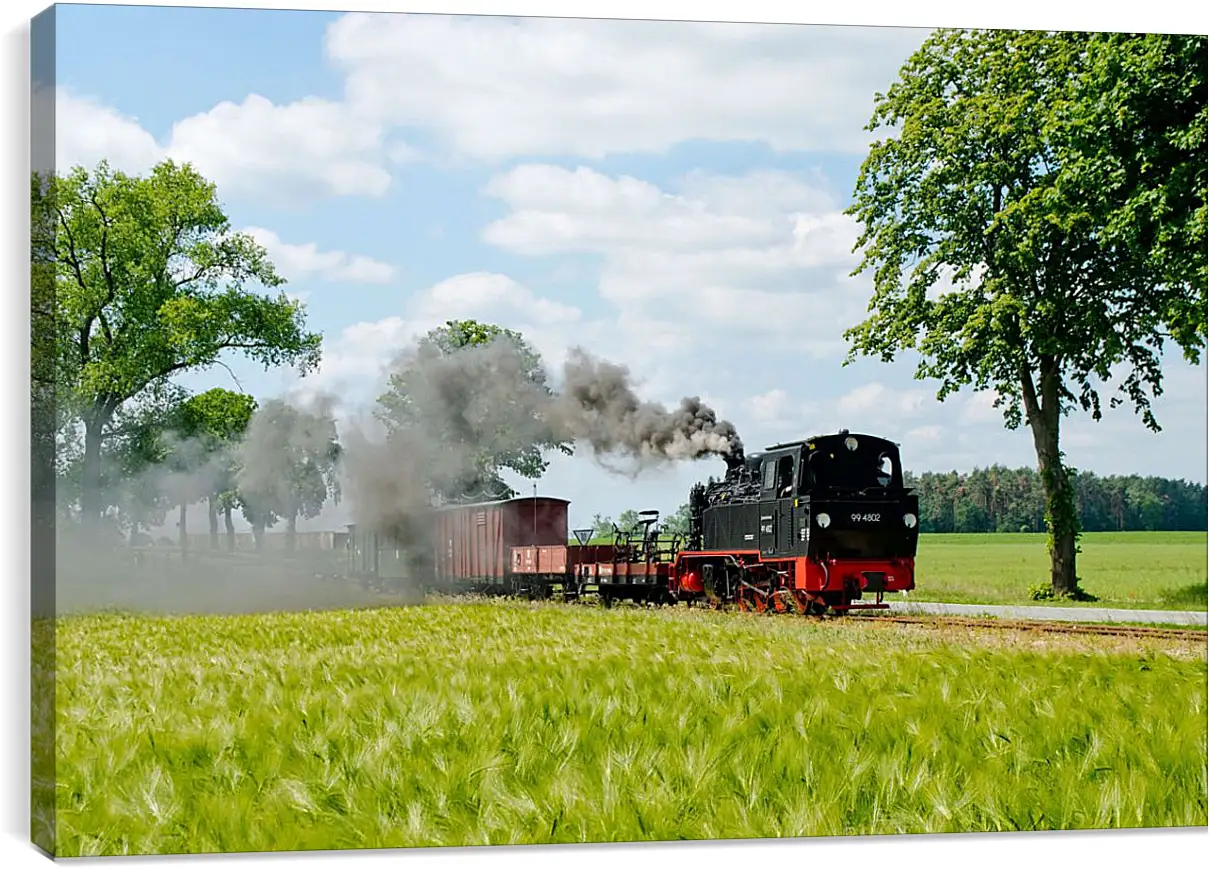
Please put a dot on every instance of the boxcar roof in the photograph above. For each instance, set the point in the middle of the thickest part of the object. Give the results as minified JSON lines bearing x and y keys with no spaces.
{"x":502,"y":501}
{"x":483,"y":504}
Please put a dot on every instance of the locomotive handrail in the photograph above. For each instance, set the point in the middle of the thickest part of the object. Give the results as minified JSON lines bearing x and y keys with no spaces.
{"x":640,"y":543}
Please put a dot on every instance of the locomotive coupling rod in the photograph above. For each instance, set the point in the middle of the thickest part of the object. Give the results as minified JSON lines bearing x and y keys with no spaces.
{"x":754,"y":589}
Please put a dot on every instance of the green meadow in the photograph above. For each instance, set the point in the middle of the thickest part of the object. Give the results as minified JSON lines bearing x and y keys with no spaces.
{"x":1146,"y":570}
{"x":509,"y":722}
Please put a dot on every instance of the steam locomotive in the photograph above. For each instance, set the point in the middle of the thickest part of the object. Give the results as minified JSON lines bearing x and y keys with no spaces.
{"x":804,"y":526}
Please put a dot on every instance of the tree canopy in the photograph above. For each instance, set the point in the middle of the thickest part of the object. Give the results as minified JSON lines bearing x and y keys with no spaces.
{"x":473,"y":411}
{"x":677,"y":523}
{"x":215,"y":422}
{"x":288,"y":465}
{"x":1035,"y":223}
{"x":150,"y":281}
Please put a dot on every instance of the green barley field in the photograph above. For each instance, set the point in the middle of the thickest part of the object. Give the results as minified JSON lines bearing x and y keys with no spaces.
{"x":1147,"y":570}
{"x":496,"y":723}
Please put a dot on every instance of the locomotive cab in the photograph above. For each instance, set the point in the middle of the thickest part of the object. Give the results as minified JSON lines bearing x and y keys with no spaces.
{"x":857,"y":504}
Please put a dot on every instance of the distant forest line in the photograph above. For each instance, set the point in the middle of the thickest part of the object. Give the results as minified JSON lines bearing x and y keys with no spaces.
{"x":999,"y":499}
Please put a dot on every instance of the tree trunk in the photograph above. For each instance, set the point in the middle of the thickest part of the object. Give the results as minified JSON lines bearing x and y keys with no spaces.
{"x":90,"y":494}
{"x":291,"y":533}
{"x":212,"y":510}
{"x":183,"y":525}
{"x":230,"y":523}
{"x":1061,"y":518}
{"x":258,"y":534}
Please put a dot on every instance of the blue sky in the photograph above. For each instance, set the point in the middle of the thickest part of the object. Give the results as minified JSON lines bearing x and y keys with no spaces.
{"x":668,"y":195}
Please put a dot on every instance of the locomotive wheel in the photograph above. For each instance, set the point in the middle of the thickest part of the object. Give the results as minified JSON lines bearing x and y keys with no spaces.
{"x":761,"y":602}
{"x":782,"y":600}
{"x":743,"y":599}
{"x":807,"y":605}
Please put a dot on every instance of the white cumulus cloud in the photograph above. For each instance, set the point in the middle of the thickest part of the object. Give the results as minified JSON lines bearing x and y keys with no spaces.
{"x":499,"y":87}
{"x":286,"y":153}
{"x":88,"y":131}
{"x":495,"y":87}
{"x":298,"y":262}
{"x":765,"y":254}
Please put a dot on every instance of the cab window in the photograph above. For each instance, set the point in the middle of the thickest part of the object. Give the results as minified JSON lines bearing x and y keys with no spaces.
{"x":885,"y":469}
{"x":785,"y":476}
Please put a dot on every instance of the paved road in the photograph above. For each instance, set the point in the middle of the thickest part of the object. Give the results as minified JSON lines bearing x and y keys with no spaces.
{"x":1069,"y":614}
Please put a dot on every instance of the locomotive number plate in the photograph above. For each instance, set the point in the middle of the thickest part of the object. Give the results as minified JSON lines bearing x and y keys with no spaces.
{"x":866,"y":518}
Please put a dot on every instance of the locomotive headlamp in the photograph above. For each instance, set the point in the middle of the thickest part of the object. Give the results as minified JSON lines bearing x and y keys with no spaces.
{"x":850,"y":443}
{"x":909,"y":520}
{"x":823,"y":520}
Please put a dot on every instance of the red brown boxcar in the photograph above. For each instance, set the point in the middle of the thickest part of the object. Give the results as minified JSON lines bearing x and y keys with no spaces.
{"x":474,"y":543}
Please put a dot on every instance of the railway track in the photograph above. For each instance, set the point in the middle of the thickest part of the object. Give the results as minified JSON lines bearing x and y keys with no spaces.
{"x":1004,"y":623}
{"x":1039,"y":625}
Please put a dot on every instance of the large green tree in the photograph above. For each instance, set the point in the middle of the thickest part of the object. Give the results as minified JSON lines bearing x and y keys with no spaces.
{"x":470,"y":397}
{"x":1035,"y":222}
{"x":150,"y":282}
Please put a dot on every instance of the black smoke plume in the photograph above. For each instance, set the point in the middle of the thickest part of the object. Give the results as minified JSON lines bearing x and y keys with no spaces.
{"x":464,"y":410}
{"x":599,"y":406}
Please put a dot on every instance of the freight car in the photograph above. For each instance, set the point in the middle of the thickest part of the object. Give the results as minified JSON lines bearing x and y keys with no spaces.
{"x":461,"y":549}
{"x":635,"y":566}
{"x":517,"y":547}
{"x":804,"y":526}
